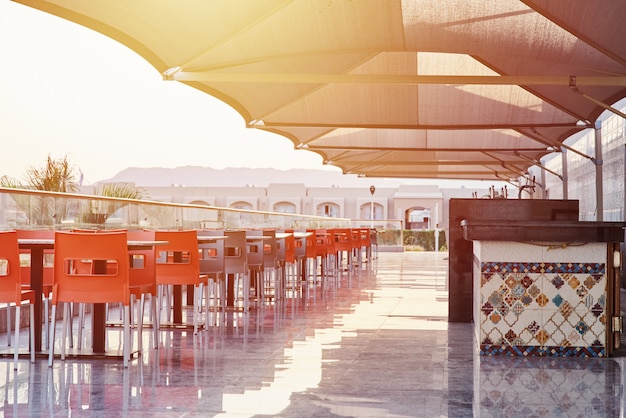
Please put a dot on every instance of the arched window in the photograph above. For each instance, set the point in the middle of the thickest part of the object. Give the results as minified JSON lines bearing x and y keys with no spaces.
{"x":328,"y":209}
{"x":366,"y":211}
{"x":284,"y":207}
{"x":241,"y":205}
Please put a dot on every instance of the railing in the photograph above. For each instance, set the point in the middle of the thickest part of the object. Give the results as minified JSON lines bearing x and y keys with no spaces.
{"x":29,"y":209}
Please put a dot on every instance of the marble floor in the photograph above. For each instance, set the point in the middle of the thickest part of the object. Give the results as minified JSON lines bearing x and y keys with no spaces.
{"x":375,"y":344}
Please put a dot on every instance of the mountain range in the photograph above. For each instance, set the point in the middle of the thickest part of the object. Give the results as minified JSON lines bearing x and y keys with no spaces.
{"x":195,"y":176}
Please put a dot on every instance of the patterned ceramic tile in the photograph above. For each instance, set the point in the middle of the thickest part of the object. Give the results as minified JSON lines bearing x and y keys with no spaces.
{"x":543,"y":308}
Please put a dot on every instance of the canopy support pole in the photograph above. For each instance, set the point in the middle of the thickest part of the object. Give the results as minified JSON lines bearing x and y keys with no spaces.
{"x":564,"y":171}
{"x":598,"y":163}
{"x":575,"y":89}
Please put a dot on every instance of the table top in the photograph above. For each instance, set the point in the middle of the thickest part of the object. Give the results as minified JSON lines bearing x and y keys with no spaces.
{"x":209,"y":238}
{"x":49,"y":242}
{"x":302,"y":234}
{"x":257,"y":237}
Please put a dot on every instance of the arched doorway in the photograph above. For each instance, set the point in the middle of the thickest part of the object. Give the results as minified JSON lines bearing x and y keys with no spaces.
{"x":417,"y":217}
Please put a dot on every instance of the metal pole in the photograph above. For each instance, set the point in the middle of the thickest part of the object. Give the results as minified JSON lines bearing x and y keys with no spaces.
{"x":598,"y":164}
{"x":372,"y":191}
{"x":564,"y":172}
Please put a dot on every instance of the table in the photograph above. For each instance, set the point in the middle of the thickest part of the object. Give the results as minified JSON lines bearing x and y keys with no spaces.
{"x":37,"y":246}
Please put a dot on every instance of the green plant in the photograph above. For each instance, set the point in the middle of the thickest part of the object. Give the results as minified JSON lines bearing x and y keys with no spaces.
{"x":423,"y":240}
{"x":54,"y":176}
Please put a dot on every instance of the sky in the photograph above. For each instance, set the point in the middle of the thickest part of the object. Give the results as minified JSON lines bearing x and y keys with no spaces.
{"x":68,"y":91}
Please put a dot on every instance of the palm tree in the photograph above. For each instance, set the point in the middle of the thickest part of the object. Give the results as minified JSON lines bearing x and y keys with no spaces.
{"x":55,"y":176}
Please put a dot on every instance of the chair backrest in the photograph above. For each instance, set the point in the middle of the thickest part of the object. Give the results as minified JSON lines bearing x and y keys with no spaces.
{"x":254,"y":248}
{"x":235,"y":253}
{"x":343,"y":239}
{"x":373,"y":237}
{"x":365,"y":237}
{"x":311,"y":244}
{"x":142,"y":260}
{"x":25,"y":261}
{"x":355,"y":238}
{"x":211,"y":252}
{"x":281,"y":249}
{"x":300,"y":243}
{"x":177,"y":261}
{"x":290,"y":247}
{"x":322,"y":243}
{"x":10,"y":274}
{"x":107,"y":279}
{"x":270,"y":257}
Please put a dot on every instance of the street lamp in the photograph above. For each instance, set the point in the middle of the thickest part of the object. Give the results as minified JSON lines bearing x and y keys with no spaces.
{"x":372,"y":191}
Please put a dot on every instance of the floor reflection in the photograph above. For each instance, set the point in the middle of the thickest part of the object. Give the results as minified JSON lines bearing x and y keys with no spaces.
{"x":371,"y":344}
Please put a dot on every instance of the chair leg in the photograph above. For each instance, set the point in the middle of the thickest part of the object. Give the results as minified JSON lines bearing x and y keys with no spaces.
{"x":9,"y":337}
{"x":66,"y":324}
{"x":81,"y":322}
{"x":207,"y":295}
{"x":197,"y":297}
{"x":246,"y":292}
{"x":46,"y":323}
{"x":155,"y":320}
{"x":31,"y":325}
{"x":131,"y":320}
{"x":51,"y":336}
{"x":126,"y":335}
{"x":17,"y":335}
{"x":142,"y":301}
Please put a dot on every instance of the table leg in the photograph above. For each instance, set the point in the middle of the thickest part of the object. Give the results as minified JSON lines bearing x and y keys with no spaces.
{"x":99,"y":328}
{"x":230,"y":291}
{"x":36,"y":282}
{"x":178,"y":304}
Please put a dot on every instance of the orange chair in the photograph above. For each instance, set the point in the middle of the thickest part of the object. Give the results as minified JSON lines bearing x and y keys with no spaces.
{"x":366,"y":244}
{"x":355,"y":244}
{"x":255,"y":247}
{"x":236,"y":267}
{"x":302,"y":240}
{"x":177,"y":264}
{"x":212,"y":264}
{"x":107,"y":282}
{"x":343,"y":246}
{"x":285,"y":258}
{"x":271,"y":282}
{"x":25,"y":267}
{"x":12,"y":291}
{"x":143,"y":280}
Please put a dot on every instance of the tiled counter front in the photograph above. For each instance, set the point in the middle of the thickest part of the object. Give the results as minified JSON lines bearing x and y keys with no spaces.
{"x":539,"y":300}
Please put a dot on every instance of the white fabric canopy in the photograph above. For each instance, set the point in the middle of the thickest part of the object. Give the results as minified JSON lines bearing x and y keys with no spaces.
{"x":388,"y":88}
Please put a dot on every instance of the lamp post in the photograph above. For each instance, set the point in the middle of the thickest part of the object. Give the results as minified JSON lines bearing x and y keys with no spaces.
{"x":372,"y":191}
